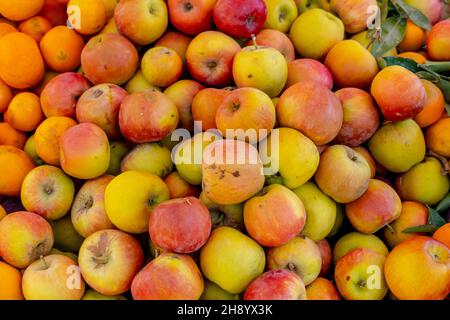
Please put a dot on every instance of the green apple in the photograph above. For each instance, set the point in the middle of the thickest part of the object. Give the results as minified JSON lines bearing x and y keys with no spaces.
{"x":30,"y":149}
{"x":280,"y":14}
{"x":66,"y":237}
{"x":118,"y":151}
{"x":339,"y":222}
{"x":304,"y":5}
{"x":213,"y":292}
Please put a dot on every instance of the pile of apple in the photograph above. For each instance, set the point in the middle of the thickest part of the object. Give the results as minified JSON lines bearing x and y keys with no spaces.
{"x":104,"y":200}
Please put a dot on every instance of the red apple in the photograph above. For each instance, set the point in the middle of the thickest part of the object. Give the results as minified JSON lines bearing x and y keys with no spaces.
{"x":327,"y":256}
{"x":191,"y":16}
{"x":308,"y":70}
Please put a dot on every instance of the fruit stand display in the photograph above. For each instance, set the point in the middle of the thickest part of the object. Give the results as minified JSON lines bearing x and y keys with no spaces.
{"x":224,"y":149}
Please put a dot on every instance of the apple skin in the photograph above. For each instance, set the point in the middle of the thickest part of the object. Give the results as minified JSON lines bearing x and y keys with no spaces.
{"x":361,"y":119}
{"x":30,"y":150}
{"x":217,"y":257}
{"x":179,"y":188}
{"x":88,"y":213}
{"x":224,"y":215}
{"x":118,"y":150}
{"x":377,"y":207}
{"x":24,"y":237}
{"x":138,"y":83}
{"x":320,"y":211}
{"x":398,"y":146}
{"x":84,"y":151}
{"x":93,"y":295}
{"x":59,"y":96}
{"x":147,"y":116}
{"x":209,"y":58}
{"x":275,"y":216}
{"x":277,"y":40}
{"x":353,"y":275}
{"x":109,"y":260}
{"x":280,"y":14}
{"x":66,"y":237}
{"x":180,"y":225}
{"x":131,"y":197}
{"x":263,"y":68}
{"x":354,"y":13}
{"x":205,"y":105}
{"x":176,"y":41}
{"x":304,"y":5}
{"x":213,"y":292}
{"x":308,"y":70}
{"x":295,"y":157}
{"x":355,"y":240}
{"x":100,"y":105}
{"x":191,"y":16}
{"x":438,"y":39}
{"x":366,"y":155}
{"x":149,"y":157}
{"x":413,"y":214}
{"x":240,"y":18}
{"x":417,"y":269}
{"x":137,"y":23}
{"x":300,"y":254}
{"x":48,"y":279}
{"x":170,"y":276}
{"x":161,"y":66}
{"x":48,"y":192}
{"x":279,"y":284}
{"x":322,"y":289}
{"x":245,"y":109}
{"x":327,"y":256}
{"x":424,"y":182}
{"x":350,"y":170}
{"x":306,"y":106}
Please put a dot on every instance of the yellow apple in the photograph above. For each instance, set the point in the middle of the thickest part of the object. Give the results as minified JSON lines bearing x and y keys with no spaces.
{"x":355,"y":240}
{"x":280,"y":14}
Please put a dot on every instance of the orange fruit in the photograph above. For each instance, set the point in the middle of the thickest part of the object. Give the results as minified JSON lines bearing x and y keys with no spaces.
{"x":61,"y":48}
{"x":35,"y":27}
{"x":443,"y":234}
{"x":18,"y":10}
{"x":437,"y":137}
{"x":6,"y":28}
{"x":24,"y":112}
{"x":434,"y":105}
{"x":21,"y":63}
{"x":417,"y":57}
{"x":11,"y":137}
{"x":11,"y":284}
{"x":90,"y":16}
{"x":414,"y":38}
{"x":5,"y":96}
{"x":14,"y":166}
{"x":46,"y":138}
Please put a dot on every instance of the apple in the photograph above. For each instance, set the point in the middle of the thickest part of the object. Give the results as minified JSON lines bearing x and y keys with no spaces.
{"x":161,"y":66}
{"x":170,"y":276}
{"x":398,"y":146}
{"x":436,"y":137}
{"x":180,"y":225}
{"x":100,"y":105}
{"x":149,"y":157}
{"x":366,"y":155}
{"x":54,"y":277}
{"x":304,"y":5}
{"x":191,"y":16}
{"x":232,"y":171}
{"x":327,"y":256}
{"x":131,"y":197}
{"x":209,"y":58}
{"x":47,"y":191}
{"x":275,"y":216}
{"x":413,"y":214}
{"x":94,"y":295}
{"x":280,"y":14}
{"x":359,"y":275}
{"x":141,"y":21}
{"x":426,"y":182}
{"x":219,"y":255}
{"x":438,"y":39}
{"x":182,"y":93}
{"x":176,"y":41}
{"x":300,"y":255}
{"x":277,"y":284}
{"x":67,"y":239}
{"x":306,"y":106}
{"x":30,"y":149}
{"x":246,"y":110}
{"x":138,"y":83}
{"x":84,"y":151}
{"x":315,"y":32}
{"x":109,"y":260}
{"x":224,"y":215}
{"x":350,"y":172}
{"x":274,"y":39}
{"x":377,"y":207}
{"x":320,"y":211}
{"x":322,"y":289}
{"x":417,"y":269}
{"x":147,"y":116}
{"x":205,"y":105}
{"x":118,"y":150}
{"x":355,"y":14}
{"x":179,"y":188}
{"x":88,"y":212}
{"x":240,"y":18}
{"x":442,"y":234}
{"x":355,"y":240}
{"x":308,"y":70}
{"x":213,"y":292}
{"x":340,"y":221}
{"x":24,"y":237}
{"x":59,"y":96}
{"x":260,"y":67}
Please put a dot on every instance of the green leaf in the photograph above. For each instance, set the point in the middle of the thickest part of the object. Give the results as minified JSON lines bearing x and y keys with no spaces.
{"x":415,"y":15}
{"x":399,"y":61}
{"x":445,"y":203}
{"x":393,"y":31}
{"x":441,"y":66}
{"x":434,"y":218}
{"x":426,"y":228}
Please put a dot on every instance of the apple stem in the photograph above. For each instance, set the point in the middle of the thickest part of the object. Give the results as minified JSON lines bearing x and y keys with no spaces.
{"x":254,"y":41}
{"x":446,"y":170}
{"x":43,"y":260}
{"x":390,"y":228}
